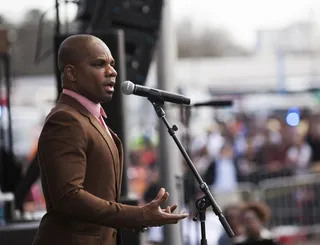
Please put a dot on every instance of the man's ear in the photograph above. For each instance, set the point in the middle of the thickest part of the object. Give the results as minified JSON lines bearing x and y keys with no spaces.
{"x":70,"y":73}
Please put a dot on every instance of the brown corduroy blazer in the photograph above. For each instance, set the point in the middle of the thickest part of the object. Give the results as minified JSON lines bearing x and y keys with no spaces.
{"x":81,"y":171}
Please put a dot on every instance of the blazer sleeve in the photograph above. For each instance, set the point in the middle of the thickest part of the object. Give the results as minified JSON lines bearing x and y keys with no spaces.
{"x":62,"y":158}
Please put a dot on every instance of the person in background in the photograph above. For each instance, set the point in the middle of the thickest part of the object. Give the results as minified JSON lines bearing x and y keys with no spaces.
{"x":255,"y":216}
{"x":222,"y":176}
{"x":313,"y":139}
{"x":299,"y":154}
{"x":232,"y":213}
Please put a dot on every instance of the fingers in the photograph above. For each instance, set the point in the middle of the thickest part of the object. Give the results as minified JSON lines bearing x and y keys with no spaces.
{"x":170,"y":209}
{"x":176,"y":216}
{"x":160,"y":193}
{"x":171,"y":219}
{"x":173,"y":207}
{"x":161,"y":197}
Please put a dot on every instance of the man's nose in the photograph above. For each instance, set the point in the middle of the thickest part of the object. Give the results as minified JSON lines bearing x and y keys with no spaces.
{"x":111,"y":71}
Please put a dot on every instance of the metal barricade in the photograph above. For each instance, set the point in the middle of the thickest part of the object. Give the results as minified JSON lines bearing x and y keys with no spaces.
{"x":293,"y":200}
{"x":244,"y":192}
{"x":263,"y":174}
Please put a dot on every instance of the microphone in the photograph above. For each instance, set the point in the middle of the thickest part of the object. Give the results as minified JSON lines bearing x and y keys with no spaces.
{"x":214,"y":103}
{"x":128,"y":87}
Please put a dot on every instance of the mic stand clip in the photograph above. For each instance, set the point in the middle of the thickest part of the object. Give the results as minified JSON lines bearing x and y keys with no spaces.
{"x":202,"y":204}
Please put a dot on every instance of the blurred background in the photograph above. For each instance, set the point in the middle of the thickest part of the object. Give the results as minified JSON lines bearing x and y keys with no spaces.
{"x":263,"y":56}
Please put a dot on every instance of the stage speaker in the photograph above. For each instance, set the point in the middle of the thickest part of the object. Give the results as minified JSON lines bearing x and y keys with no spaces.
{"x":139,"y":52}
{"x":114,"y":38}
{"x":138,"y":14}
{"x":86,"y":9}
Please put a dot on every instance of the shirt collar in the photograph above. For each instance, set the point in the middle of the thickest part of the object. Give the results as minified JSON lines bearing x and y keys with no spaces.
{"x":94,"y":108}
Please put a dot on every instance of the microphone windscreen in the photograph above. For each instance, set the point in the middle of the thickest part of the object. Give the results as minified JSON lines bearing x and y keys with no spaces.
{"x":127,"y":87}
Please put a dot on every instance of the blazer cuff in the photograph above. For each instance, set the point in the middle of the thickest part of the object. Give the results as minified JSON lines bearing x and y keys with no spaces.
{"x":133,"y":216}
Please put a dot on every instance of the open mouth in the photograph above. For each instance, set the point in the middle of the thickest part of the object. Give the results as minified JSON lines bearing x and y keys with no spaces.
{"x":109,"y":87}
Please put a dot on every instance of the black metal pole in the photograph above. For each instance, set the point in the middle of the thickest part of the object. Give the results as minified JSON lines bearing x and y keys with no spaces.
{"x":8,"y":95}
{"x":2,"y":133}
{"x":55,"y":48}
{"x":57,"y":32}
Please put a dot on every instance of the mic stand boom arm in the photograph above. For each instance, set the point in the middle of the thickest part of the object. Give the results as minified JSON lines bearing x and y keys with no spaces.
{"x":207,"y":200}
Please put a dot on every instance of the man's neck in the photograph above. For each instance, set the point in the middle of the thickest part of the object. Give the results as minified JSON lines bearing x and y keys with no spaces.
{"x":77,"y":92}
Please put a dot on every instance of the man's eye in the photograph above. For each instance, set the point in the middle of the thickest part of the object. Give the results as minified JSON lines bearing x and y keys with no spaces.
{"x":99,"y":64}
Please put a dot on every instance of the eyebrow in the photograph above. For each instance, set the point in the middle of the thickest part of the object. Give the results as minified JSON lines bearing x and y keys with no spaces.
{"x":112,"y":61}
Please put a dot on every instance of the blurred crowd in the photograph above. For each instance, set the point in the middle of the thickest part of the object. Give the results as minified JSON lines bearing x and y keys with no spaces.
{"x":257,"y":149}
{"x":246,"y":149}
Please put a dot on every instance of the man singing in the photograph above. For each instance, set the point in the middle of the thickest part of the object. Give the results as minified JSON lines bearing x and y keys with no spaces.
{"x":81,"y":159}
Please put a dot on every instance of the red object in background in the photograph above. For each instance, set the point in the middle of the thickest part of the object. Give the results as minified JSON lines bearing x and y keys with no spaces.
{"x":293,"y":238}
{"x":148,"y":157}
{"x":3,"y":102}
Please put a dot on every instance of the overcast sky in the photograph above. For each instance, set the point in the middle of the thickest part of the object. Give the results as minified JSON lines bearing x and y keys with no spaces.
{"x":240,"y":17}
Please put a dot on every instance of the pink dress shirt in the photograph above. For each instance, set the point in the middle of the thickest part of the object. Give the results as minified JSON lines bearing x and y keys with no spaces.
{"x":93,"y":108}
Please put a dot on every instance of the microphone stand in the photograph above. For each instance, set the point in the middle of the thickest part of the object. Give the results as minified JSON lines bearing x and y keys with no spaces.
{"x":207,"y":200}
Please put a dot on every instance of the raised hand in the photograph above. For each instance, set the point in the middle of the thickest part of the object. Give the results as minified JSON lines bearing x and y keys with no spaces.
{"x":155,"y":216}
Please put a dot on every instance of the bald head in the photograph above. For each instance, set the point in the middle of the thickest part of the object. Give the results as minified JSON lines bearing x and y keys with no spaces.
{"x":74,"y":49}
